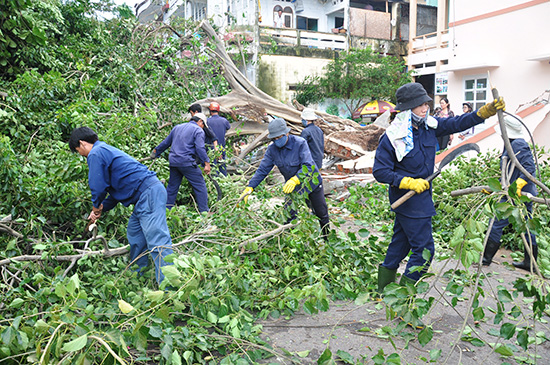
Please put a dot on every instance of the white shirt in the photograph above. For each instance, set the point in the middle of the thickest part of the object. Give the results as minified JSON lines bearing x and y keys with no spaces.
{"x":279,"y":21}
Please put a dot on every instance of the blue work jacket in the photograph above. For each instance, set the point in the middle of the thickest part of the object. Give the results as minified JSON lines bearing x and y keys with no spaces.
{"x":525,"y":158}
{"x":289,"y":159}
{"x":316,"y":142}
{"x":418,"y":163}
{"x":114,"y":172}
{"x":219,"y":126}
{"x":187,"y":144}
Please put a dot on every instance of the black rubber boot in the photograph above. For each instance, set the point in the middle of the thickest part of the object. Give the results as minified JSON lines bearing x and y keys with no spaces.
{"x":490,"y":251}
{"x":526,"y":263}
{"x":385,"y":276}
{"x":325,"y":231}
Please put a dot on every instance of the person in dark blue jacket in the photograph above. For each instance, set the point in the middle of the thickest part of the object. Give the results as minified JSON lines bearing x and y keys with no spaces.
{"x":313,"y":136}
{"x":187,"y":146}
{"x":116,"y":177}
{"x":289,"y":153}
{"x":404,"y":158}
{"x":219,"y":126}
{"x":514,"y":130}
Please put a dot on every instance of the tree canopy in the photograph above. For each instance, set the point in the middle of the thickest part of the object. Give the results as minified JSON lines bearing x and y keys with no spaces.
{"x":355,"y":77}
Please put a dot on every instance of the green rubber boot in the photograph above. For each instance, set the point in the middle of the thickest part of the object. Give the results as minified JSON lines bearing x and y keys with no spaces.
{"x":406,"y":280}
{"x":385,"y":276}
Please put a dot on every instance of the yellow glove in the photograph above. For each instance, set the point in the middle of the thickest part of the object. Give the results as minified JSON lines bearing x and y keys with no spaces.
{"x":418,"y":185}
{"x":520,"y":183}
{"x":290,"y":185}
{"x":490,"y":109}
{"x":245,"y":194}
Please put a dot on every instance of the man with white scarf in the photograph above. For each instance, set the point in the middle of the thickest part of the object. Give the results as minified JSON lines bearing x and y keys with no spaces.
{"x":404,"y":158}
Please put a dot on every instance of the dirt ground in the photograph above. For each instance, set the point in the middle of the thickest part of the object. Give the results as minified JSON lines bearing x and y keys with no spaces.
{"x":357,"y":329}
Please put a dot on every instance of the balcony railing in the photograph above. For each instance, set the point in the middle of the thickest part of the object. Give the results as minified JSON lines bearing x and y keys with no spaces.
{"x":287,"y":37}
{"x":428,"y":42}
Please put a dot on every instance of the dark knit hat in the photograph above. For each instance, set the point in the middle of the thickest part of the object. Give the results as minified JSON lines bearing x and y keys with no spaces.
{"x":410,"y":96}
{"x":277,"y":127}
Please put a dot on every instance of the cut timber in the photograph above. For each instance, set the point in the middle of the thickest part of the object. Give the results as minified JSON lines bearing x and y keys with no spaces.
{"x":361,"y":165}
{"x":343,"y":138}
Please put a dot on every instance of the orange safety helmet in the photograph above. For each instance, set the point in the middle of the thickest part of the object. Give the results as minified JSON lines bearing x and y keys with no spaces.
{"x":214,"y":106}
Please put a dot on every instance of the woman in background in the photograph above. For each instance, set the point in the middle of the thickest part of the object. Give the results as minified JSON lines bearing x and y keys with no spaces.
{"x":466,"y":108}
{"x":444,"y":112}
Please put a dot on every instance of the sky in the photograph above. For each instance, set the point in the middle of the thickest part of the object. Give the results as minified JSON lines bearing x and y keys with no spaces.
{"x":130,"y":4}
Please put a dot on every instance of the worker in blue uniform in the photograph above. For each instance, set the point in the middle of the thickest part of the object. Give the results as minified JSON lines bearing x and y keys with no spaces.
{"x":290,"y":153}
{"x":116,"y":177}
{"x":219,"y":126}
{"x":313,"y":136}
{"x":523,"y":153}
{"x":187,"y":146}
{"x":404,"y":158}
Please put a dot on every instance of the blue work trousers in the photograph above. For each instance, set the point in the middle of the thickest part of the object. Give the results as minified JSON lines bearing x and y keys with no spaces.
{"x":498,"y":226}
{"x":410,"y":234}
{"x":221,"y":165}
{"x":147,"y":228}
{"x":194,"y":175}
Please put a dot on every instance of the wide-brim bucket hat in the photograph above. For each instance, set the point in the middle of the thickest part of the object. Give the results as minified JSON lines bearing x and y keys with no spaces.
{"x":309,"y":114}
{"x":277,"y":127}
{"x":514,"y":128}
{"x":410,"y":96}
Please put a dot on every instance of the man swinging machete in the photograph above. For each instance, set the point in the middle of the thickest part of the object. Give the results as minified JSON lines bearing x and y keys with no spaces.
{"x":405,"y":160}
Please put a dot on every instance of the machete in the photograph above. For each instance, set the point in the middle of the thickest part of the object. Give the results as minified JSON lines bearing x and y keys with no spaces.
{"x":451,"y":156}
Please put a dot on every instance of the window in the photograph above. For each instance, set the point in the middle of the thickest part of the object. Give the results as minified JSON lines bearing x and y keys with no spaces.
{"x":306,"y":23}
{"x":475,"y":91}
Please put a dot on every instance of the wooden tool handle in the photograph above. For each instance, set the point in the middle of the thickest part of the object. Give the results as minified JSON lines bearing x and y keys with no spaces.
{"x":403,"y":199}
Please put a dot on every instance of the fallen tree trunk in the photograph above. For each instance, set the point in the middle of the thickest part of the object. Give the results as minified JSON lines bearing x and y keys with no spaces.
{"x":343,"y":137}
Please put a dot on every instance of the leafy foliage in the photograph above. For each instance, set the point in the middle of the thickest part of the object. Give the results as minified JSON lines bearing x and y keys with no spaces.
{"x":127,"y":81}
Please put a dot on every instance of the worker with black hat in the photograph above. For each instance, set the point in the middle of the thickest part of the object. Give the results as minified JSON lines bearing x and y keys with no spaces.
{"x":291,"y":154}
{"x":404,"y":159}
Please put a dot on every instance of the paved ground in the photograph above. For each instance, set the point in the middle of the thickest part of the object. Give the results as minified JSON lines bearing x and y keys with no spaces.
{"x":358,"y":329}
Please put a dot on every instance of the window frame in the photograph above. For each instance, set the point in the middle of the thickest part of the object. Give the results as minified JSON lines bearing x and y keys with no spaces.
{"x":476,"y":103}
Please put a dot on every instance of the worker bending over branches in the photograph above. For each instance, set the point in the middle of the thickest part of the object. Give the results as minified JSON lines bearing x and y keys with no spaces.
{"x":290,"y":153}
{"x":523,"y":153}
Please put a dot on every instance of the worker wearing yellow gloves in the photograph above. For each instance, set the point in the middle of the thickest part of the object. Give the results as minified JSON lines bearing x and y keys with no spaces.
{"x":290,"y":154}
{"x":514,"y":130}
{"x":404,"y":159}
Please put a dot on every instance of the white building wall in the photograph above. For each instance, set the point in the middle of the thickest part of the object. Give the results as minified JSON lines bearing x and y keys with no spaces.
{"x":290,"y":71}
{"x":313,"y":9}
{"x":216,"y":11}
{"x":244,"y":11}
{"x":502,"y":47}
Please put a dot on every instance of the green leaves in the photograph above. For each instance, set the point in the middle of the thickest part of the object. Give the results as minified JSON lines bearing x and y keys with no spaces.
{"x":356,"y":76}
{"x":76,"y":344}
{"x":425,"y":335}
